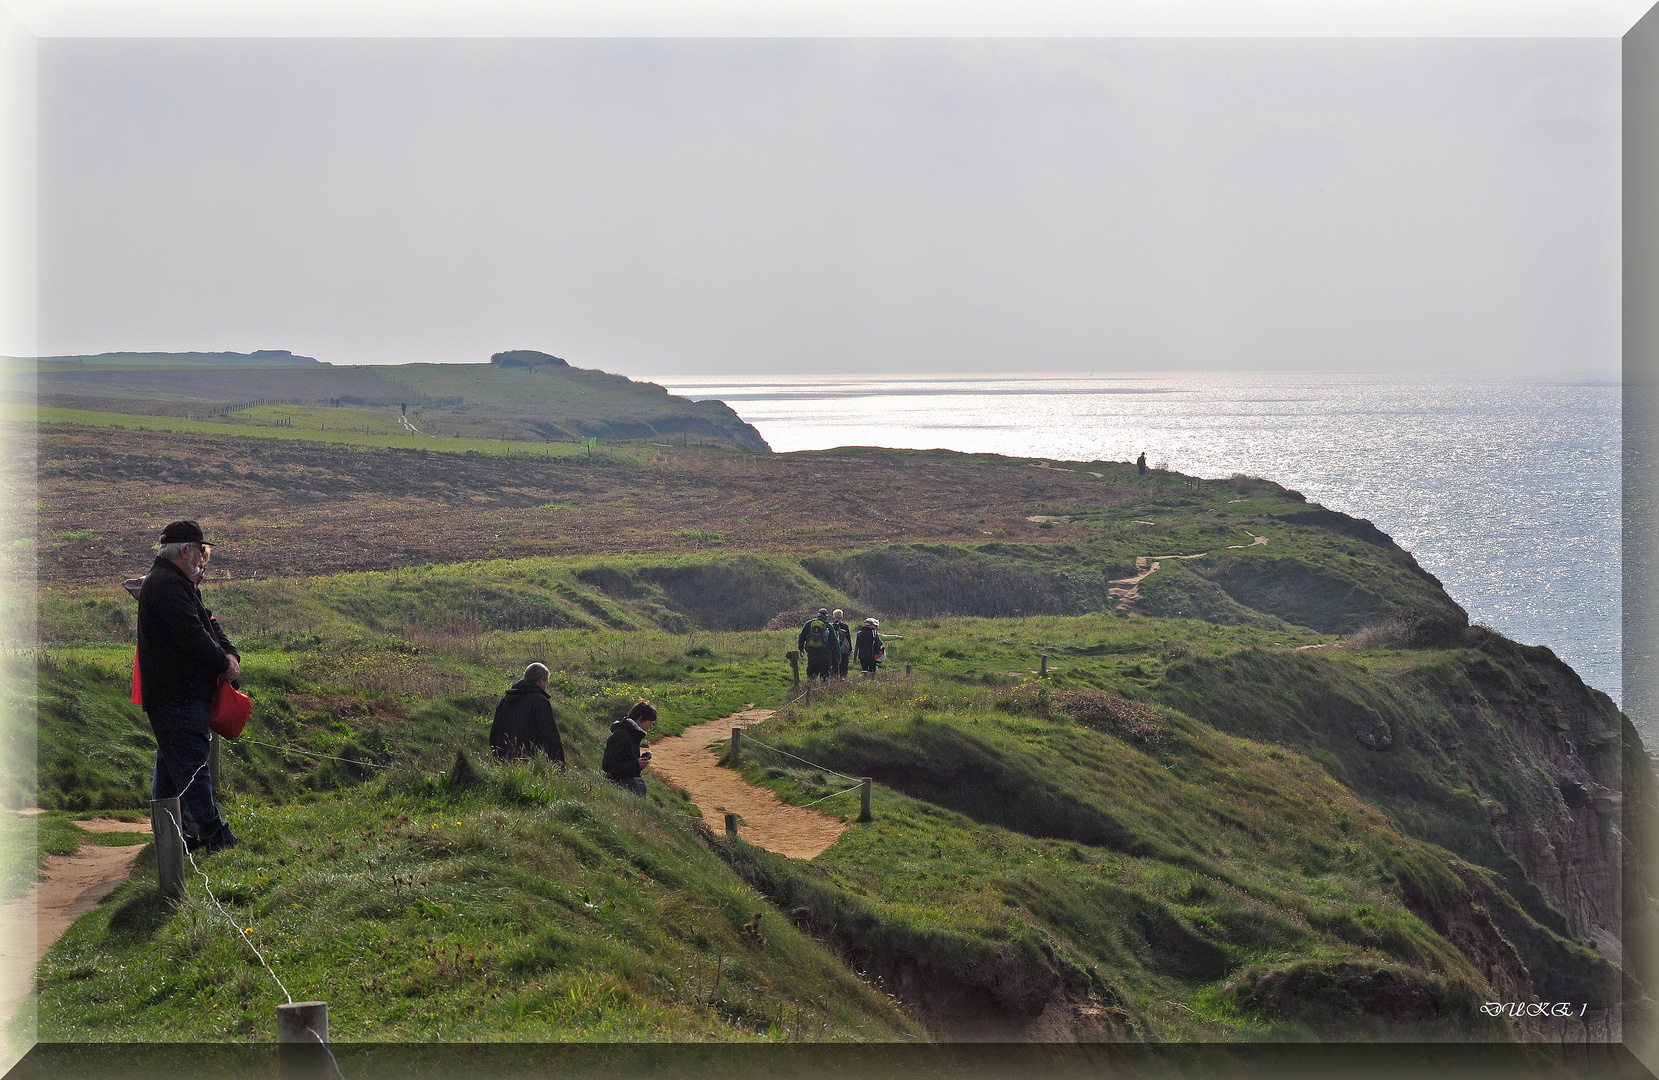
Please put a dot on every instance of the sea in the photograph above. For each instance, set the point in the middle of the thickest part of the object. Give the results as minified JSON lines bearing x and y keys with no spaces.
{"x":1507,"y":490}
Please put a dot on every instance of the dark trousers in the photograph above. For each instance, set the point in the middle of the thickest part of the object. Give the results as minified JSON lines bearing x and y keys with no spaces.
{"x":867,"y":663}
{"x":182,"y":742}
{"x":819,"y":663}
{"x":635,"y":784}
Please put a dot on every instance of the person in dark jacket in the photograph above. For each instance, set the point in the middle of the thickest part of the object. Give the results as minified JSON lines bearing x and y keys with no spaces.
{"x":867,"y":646}
{"x":524,"y":719}
{"x":822,"y":647}
{"x":843,"y":642}
{"x":183,"y":655}
{"x":624,"y":760}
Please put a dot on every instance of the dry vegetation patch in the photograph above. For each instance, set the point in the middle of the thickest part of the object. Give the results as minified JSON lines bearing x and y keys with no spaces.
{"x":281,"y":508}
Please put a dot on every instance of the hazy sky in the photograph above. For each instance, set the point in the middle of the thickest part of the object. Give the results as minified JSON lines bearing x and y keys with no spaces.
{"x":705,"y":206}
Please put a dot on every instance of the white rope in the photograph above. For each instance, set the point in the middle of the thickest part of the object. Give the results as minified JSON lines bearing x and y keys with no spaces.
{"x":236,"y":925}
{"x":791,"y":806}
{"x":327,"y":1051}
{"x":208,"y":888}
{"x":804,"y":761}
{"x":307,"y":753}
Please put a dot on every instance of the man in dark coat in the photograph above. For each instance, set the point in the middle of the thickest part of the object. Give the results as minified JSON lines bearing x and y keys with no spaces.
{"x":822,"y":647}
{"x":182,"y":657}
{"x":524,"y":720}
{"x":843,"y":641}
{"x":624,"y":761}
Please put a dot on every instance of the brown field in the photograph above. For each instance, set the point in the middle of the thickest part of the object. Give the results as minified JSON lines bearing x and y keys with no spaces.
{"x":284,"y":508}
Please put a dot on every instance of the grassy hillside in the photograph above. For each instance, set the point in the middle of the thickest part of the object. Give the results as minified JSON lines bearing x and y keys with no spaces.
{"x":541,"y":404}
{"x":1133,"y":848}
{"x":1276,"y":788}
{"x":486,"y":904}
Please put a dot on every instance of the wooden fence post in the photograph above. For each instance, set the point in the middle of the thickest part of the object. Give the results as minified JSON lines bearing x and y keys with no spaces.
{"x":731,"y":823}
{"x":302,"y":1040}
{"x":737,"y":743}
{"x":864,"y":801}
{"x":165,"y":826}
{"x":794,"y":659}
{"x":1044,"y":665}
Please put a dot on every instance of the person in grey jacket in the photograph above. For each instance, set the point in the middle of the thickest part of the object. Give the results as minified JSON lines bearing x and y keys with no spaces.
{"x":183,"y":655}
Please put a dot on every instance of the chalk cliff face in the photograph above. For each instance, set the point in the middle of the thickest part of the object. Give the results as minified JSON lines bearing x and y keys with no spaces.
{"x":1580,"y":802}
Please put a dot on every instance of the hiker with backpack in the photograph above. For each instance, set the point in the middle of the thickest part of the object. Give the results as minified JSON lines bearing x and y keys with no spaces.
{"x":624,"y":760}
{"x":183,"y":655}
{"x":821,"y":645}
{"x":843,"y":643}
{"x":868,"y":647}
{"x":524,"y":719}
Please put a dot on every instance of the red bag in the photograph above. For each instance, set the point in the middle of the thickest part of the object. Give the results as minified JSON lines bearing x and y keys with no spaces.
{"x":231,"y":709}
{"x":137,"y":698}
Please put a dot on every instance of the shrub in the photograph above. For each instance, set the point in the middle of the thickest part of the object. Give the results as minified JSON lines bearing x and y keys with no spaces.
{"x":1133,"y":721}
{"x":1417,"y":629}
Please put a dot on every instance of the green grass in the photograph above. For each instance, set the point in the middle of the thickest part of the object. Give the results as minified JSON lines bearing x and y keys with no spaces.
{"x":462,"y":401}
{"x":1190,"y":829}
{"x":519,"y":904}
{"x":351,"y":435}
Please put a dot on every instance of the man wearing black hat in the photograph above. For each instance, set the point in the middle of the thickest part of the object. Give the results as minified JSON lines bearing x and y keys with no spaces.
{"x":182,"y":656}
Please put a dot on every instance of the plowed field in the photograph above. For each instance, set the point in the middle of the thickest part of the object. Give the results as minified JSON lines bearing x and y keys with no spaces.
{"x":282,"y":508}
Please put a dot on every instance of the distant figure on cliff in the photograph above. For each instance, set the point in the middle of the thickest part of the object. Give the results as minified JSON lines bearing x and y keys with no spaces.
{"x":868,"y":647}
{"x":843,"y":641}
{"x":524,"y":719}
{"x":183,"y":655}
{"x":624,"y":760}
{"x":821,"y":645}
{"x":1140,"y":463}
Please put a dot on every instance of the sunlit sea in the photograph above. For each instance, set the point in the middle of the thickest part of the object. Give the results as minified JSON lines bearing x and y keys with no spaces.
{"x":1507,"y":491}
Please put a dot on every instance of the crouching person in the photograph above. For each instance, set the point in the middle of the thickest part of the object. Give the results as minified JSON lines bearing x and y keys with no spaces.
{"x":182,"y":656}
{"x":524,"y":720}
{"x":624,"y":760}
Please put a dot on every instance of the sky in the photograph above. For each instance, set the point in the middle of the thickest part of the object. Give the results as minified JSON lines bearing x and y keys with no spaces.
{"x":680,"y":207}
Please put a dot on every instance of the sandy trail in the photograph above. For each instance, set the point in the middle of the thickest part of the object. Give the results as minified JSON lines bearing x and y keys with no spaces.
{"x":69,"y":886}
{"x":688,"y":762}
{"x":1125,"y":593}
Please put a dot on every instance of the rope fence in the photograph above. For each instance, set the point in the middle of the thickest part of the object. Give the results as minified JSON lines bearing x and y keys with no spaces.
{"x":324,"y":1044}
{"x":749,"y":740}
{"x":177,"y":890}
{"x":802,"y":806}
{"x":207,"y":887}
{"x":310,"y":754}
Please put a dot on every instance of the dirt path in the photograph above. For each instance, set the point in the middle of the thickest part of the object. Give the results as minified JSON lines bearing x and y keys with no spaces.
{"x":69,"y":886}
{"x":687,"y":762}
{"x":1125,"y":593}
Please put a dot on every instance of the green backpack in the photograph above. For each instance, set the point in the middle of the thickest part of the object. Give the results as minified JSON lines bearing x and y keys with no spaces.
{"x":817,"y":634}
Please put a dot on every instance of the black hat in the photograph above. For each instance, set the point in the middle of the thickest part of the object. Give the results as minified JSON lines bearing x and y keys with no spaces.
{"x":184,"y":532}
